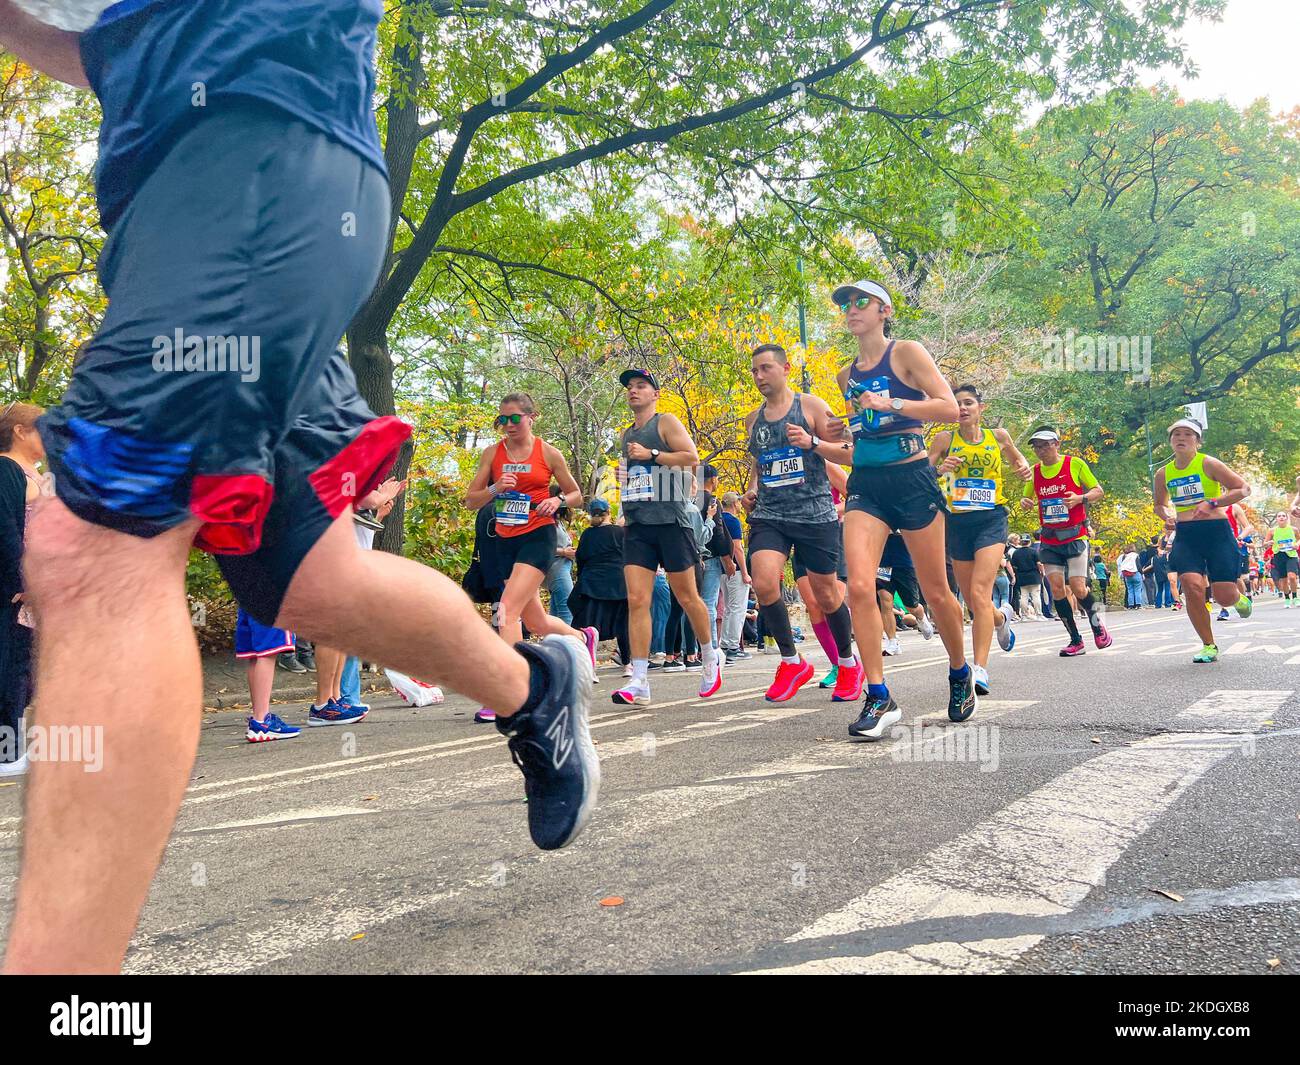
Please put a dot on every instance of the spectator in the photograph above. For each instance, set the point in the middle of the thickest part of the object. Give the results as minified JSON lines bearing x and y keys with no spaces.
{"x":1100,"y":574}
{"x":1146,"y":566}
{"x":259,"y":645}
{"x":367,"y":521}
{"x":716,"y":550}
{"x":559,"y":578}
{"x":599,"y":596}
{"x":661,"y":603}
{"x":20,"y":451}
{"x":1024,"y":563}
{"x":1160,"y":573}
{"x":736,"y":580}
{"x":1131,"y":576}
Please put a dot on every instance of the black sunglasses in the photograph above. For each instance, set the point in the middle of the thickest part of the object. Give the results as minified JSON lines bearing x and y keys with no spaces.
{"x":509,"y":419}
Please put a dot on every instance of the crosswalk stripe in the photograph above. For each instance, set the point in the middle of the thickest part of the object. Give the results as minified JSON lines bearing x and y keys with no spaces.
{"x":1039,"y":856}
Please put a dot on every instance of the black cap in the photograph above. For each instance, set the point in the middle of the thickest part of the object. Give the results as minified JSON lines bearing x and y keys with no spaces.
{"x":627,"y":376}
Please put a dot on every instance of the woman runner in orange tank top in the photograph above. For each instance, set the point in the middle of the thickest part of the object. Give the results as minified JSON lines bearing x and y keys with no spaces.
{"x":515,"y":476}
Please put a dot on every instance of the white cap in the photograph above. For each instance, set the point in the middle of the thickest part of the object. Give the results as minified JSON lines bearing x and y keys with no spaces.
{"x":1188,"y":423}
{"x":1044,"y":434}
{"x":867,"y":288}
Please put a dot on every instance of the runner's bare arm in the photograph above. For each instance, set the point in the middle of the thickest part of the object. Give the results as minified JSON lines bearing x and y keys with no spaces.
{"x":938,"y":446}
{"x":916,"y":367}
{"x":1164,"y":511}
{"x":480,"y":492}
{"x":1244,"y":527}
{"x":570,"y":492}
{"x":1013,"y":454}
{"x":682,"y":447}
{"x":45,"y":48}
{"x":838,"y":478}
{"x":826,"y":427}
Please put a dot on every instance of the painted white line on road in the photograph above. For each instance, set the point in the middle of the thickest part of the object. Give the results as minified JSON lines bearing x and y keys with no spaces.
{"x":311,"y":813}
{"x":1039,"y":856}
{"x":1234,"y":710}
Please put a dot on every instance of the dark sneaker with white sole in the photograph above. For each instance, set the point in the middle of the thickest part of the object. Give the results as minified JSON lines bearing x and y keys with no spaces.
{"x":551,"y":744}
{"x":877,"y":715}
{"x":962,"y":700}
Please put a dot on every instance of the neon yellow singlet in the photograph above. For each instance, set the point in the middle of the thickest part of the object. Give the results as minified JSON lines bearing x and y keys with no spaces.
{"x":977,"y":483}
{"x":1284,"y":541}
{"x":1190,"y":485}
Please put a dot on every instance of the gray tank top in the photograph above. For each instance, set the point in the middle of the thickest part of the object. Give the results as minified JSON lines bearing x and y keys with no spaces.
{"x":792,"y":483}
{"x":652,"y":494}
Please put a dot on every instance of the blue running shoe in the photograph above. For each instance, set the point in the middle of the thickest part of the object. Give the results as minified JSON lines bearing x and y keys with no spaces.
{"x":877,"y":715}
{"x":551,"y":744}
{"x":270,"y":729}
{"x":335,"y":713}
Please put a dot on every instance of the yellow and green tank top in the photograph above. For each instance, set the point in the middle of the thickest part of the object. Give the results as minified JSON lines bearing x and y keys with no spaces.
{"x":977,"y":483}
{"x":1190,"y":485}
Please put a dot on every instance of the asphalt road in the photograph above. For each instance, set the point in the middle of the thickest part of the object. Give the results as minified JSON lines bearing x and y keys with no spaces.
{"x":747,"y":837}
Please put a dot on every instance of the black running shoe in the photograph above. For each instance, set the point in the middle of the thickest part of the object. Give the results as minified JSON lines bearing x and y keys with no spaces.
{"x":962,"y":700}
{"x":552,"y":745}
{"x":307,"y":656}
{"x":877,"y":715}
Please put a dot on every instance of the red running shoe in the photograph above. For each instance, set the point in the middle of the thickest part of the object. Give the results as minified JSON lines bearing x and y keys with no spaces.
{"x":1072,"y":650}
{"x":790,"y":677}
{"x":1102,"y":638}
{"x":848,"y":684}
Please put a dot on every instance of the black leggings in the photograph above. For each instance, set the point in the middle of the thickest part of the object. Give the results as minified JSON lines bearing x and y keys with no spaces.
{"x":679,"y":637}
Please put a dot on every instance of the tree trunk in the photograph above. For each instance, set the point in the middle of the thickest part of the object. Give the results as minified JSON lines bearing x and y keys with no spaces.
{"x":368,"y":354}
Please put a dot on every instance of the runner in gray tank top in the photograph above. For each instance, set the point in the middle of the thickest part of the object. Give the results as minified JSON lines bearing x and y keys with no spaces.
{"x":790,"y":506}
{"x":656,"y":460}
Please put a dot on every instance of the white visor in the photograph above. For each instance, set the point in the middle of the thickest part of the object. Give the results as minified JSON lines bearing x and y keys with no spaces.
{"x":1187,"y":423}
{"x":1044,"y":434}
{"x":868,"y":288}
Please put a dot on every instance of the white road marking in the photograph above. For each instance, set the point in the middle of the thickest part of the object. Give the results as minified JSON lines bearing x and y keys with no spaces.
{"x":1042,"y":854}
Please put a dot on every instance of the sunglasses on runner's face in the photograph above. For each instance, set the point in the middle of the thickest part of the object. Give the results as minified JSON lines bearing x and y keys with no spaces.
{"x":860,"y":302}
{"x":510,"y":419}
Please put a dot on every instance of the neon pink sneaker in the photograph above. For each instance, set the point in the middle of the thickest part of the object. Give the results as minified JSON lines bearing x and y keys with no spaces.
{"x":711,"y":676}
{"x":848,"y":684}
{"x":790,"y":677}
{"x":1102,"y":638}
{"x":1072,"y":650}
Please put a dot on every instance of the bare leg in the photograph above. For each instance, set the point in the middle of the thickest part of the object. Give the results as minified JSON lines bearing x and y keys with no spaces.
{"x":887,"y":620}
{"x":864,"y":541}
{"x":976,"y":579}
{"x":640,"y":587}
{"x":683,"y":586}
{"x":520,"y":594}
{"x":329,"y":670}
{"x":261,"y":679}
{"x":92,"y":841}
{"x":926,"y":547}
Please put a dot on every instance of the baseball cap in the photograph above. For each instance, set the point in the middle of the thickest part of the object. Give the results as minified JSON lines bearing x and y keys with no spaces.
{"x":866,"y":287}
{"x":598,"y":506}
{"x":1187,"y":423}
{"x":627,"y":376}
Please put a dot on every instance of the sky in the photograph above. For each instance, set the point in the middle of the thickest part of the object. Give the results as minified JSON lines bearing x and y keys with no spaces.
{"x":1251,"y":53}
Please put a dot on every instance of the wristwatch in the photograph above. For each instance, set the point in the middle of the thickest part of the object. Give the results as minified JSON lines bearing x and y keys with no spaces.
{"x":654,"y":454}
{"x":1214,"y":503}
{"x":816,"y":442}
{"x":896,"y":403}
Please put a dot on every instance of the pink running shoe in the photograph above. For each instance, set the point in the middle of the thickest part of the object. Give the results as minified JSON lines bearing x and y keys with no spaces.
{"x":790,"y":677}
{"x":848,"y":684}
{"x":485,"y":716}
{"x":1072,"y":650}
{"x":592,"y":637}
{"x":1102,"y":638}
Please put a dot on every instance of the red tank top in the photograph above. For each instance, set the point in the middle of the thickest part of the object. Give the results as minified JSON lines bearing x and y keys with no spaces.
{"x":1061,"y":525}
{"x":516,"y":510}
{"x":1232,"y":520}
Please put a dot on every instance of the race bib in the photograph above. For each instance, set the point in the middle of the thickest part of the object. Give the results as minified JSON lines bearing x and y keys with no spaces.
{"x":638,"y":486}
{"x":1286,"y":545}
{"x":780,"y":467}
{"x":516,"y":467}
{"x":884,"y":573}
{"x":1055,"y":512}
{"x":1186,"y":491}
{"x":512,"y":508}
{"x":974,"y":493}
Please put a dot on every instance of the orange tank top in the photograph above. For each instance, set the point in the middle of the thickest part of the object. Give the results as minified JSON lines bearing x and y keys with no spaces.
{"x":516,"y":510}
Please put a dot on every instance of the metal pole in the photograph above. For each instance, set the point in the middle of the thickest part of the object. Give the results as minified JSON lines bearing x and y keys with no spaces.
{"x":803,"y":328}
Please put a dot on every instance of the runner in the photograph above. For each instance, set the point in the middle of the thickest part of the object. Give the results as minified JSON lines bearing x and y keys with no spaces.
{"x":969,"y":461}
{"x":839,"y":484}
{"x":259,"y":645}
{"x":1064,"y":485}
{"x":655,"y":478}
{"x":1201,"y":490}
{"x":896,"y":583}
{"x":790,"y":506}
{"x":1244,"y":533}
{"x":262,"y":220}
{"x":1286,"y":564}
{"x":891,"y":389}
{"x":515,"y":476}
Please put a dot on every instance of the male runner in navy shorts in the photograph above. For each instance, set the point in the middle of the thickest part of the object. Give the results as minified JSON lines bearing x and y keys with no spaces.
{"x":242,"y":186}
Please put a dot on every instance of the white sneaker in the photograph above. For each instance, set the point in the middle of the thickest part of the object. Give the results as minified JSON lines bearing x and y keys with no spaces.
{"x":632,"y":695}
{"x":981,"y":679}
{"x":892,"y":648}
{"x":16,"y":768}
{"x":1002,"y":626}
{"x":628,"y":670}
{"x":926,"y":627}
{"x":657,"y":658}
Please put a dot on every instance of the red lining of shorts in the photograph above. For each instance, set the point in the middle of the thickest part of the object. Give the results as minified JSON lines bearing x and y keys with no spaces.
{"x":368,"y":458}
{"x":233,"y":507}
